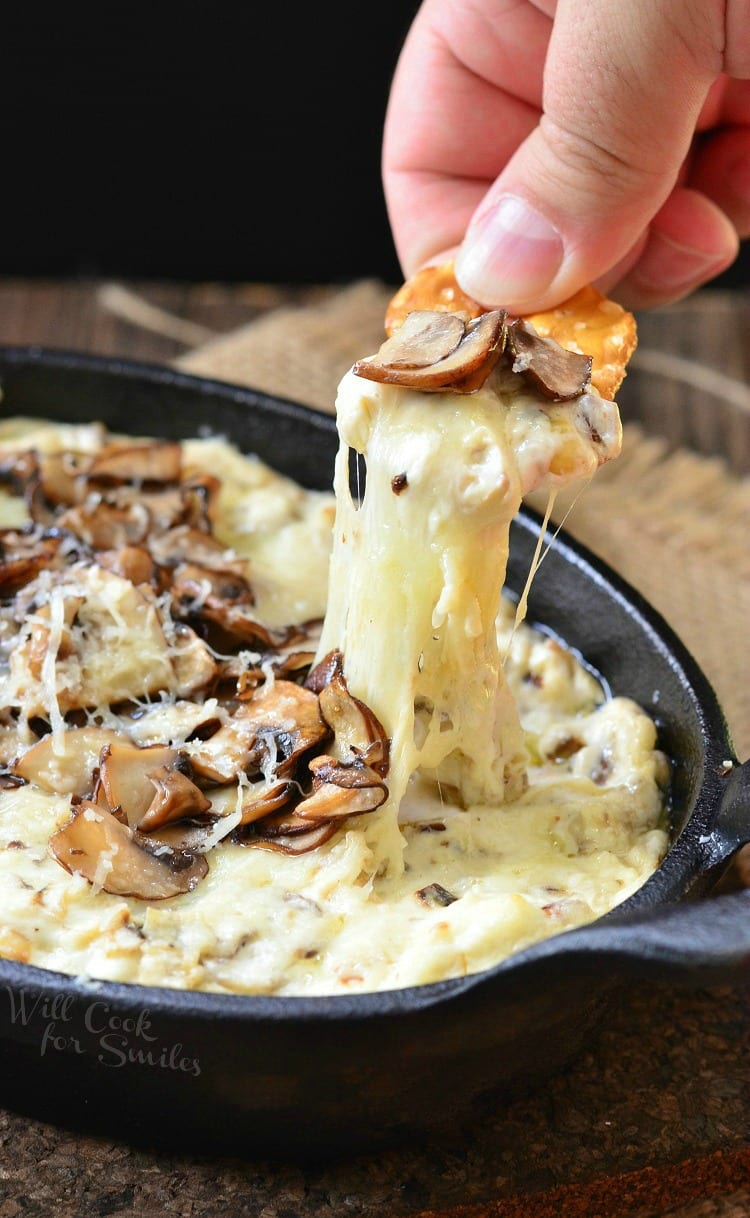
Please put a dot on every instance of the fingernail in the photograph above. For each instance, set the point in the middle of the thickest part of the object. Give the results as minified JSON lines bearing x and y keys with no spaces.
{"x":511,"y":253}
{"x":669,"y":264}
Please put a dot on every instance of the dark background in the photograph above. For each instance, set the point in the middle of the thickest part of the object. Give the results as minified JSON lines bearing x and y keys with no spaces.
{"x":199,"y":141}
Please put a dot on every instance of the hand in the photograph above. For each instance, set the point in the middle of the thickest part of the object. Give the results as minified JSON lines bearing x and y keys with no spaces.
{"x":548,"y":145}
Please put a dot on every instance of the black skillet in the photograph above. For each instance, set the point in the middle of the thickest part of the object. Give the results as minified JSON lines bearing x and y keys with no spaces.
{"x":298,"y":1076}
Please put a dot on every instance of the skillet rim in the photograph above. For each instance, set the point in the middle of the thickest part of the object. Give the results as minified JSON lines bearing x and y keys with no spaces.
{"x":679,"y":869}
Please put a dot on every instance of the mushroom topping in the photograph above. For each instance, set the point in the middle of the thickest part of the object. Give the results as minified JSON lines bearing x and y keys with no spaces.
{"x":62,"y":477}
{"x":47,"y":639}
{"x":358,"y":732}
{"x":332,"y":665}
{"x":96,"y":845}
{"x":125,"y":769}
{"x":65,"y":766}
{"x":341,"y":790}
{"x":107,"y":526}
{"x":23,"y":554}
{"x":19,"y":469}
{"x":183,"y":544}
{"x":424,"y":338}
{"x":463,"y":369}
{"x":194,"y":666}
{"x":194,"y":586}
{"x":556,"y":372}
{"x":176,"y":798}
{"x":129,"y":562}
{"x":140,"y":463}
{"x":265,"y":798}
{"x":268,"y":733}
{"x":435,"y":894}
{"x":296,"y":843}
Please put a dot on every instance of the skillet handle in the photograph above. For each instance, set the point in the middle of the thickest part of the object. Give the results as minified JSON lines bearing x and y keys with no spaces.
{"x":732,"y":828}
{"x":704,"y":942}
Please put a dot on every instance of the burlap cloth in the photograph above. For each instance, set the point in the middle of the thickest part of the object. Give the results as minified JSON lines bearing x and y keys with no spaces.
{"x":675,"y":524}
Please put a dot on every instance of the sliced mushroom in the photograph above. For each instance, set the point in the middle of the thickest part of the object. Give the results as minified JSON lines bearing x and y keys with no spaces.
{"x":435,"y":895}
{"x":194,"y":586}
{"x":270,"y":732}
{"x":230,"y":627}
{"x":107,"y":526}
{"x":18,"y":470}
{"x":129,"y":562}
{"x":124,"y":770}
{"x":556,"y":372}
{"x":298,"y":843}
{"x":94,"y":844}
{"x":332,"y":665}
{"x":290,"y":666}
{"x":464,"y":370}
{"x":183,"y":544}
{"x":228,"y":753}
{"x":357,"y":731}
{"x":341,"y":791}
{"x":65,"y":766}
{"x":177,"y":798}
{"x":194,"y":666}
{"x":23,"y":554}
{"x":156,"y":461}
{"x":62,"y":478}
{"x":265,"y":798}
{"x":37,"y":646}
{"x":424,"y":338}
{"x":167,"y":507}
{"x":200,"y":493}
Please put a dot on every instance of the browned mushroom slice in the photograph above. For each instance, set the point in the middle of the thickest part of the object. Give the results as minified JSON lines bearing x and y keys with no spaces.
{"x":200,"y":493}
{"x":474,"y":357}
{"x":291,"y":666}
{"x":193,"y":586}
{"x":556,"y":372}
{"x":182,"y":544}
{"x":62,"y":477}
{"x":228,"y":752}
{"x":289,"y":725}
{"x":194,"y":666}
{"x":166,"y":506}
{"x":19,"y":470}
{"x":270,"y":732}
{"x":107,"y":526}
{"x":23,"y":554}
{"x":265,"y":798}
{"x":357,"y":731}
{"x":341,"y":791}
{"x":65,"y":766}
{"x":424,"y":338}
{"x":96,"y":845}
{"x":157,"y":461}
{"x":38,"y":644}
{"x":229,"y":627}
{"x":129,"y":562}
{"x":176,"y":798}
{"x":124,"y":771}
{"x":298,"y":843}
{"x":332,"y":665}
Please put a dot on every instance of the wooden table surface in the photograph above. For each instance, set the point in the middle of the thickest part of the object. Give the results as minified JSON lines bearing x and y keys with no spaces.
{"x":653,"y":1120}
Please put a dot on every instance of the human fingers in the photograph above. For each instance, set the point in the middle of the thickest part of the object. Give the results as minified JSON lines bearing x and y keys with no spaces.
{"x":720,"y":168}
{"x":624,"y":88}
{"x":467,"y":91}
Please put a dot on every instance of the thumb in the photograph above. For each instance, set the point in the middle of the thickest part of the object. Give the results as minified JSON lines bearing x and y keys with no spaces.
{"x":623,"y":89}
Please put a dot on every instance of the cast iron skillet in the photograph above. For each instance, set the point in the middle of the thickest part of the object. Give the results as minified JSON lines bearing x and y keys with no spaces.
{"x":297,"y":1076}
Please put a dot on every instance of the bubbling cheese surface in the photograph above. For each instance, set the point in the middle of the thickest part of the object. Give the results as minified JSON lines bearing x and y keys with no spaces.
{"x":430,"y":886}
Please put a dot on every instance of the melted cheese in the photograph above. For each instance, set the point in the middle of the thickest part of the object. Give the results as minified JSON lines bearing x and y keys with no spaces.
{"x":349,"y":916}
